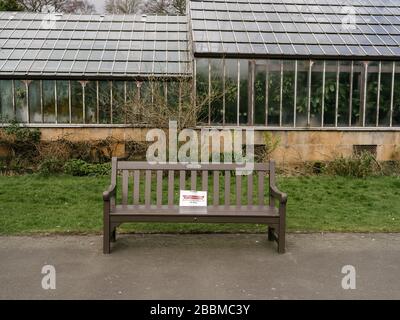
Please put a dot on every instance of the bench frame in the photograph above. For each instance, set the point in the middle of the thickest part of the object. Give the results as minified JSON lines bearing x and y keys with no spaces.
{"x":112,"y":219}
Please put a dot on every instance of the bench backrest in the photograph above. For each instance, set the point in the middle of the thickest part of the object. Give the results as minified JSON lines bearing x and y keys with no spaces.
{"x":218,"y":177}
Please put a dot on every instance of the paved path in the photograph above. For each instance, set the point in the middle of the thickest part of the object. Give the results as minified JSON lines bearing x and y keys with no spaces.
{"x":201,"y":267}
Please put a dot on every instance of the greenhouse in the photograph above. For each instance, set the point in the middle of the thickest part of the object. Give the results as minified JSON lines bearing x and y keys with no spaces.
{"x":283,"y":64}
{"x":69,"y":69}
{"x":264,"y":63}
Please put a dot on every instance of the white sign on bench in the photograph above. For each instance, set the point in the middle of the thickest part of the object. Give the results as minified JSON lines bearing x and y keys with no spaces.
{"x":189,"y":198}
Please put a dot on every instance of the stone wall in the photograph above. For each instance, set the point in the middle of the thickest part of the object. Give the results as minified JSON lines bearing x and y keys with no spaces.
{"x":295,"y":145}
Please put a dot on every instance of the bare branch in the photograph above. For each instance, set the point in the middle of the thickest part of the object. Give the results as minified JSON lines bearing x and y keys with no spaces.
{"x":122,"y":6}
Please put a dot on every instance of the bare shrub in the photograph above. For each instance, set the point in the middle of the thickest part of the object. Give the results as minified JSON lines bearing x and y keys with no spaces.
{"x":358,"y":165}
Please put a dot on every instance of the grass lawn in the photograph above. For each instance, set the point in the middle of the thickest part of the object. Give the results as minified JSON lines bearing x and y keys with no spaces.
{"x":64,"y":204}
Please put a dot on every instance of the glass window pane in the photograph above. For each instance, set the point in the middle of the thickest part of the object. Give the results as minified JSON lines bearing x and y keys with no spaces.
{"x":21,"y":101}
{"x":6,"y":101}
{"x":186,"y":93}
{"x":62,"y":101}
{"x":118,"y":102}
{"x":260,"y":81}
{"x":35,"y":113}
{"x":131,"y":92}
{"x":302,"y":93}
{"x":244,"y":89}
{"x":231,"y":89}
{"x":356,"y":119}
{"x":274,"y":87}
{"x":104,"y":102}
{"x":316,"y":94}
{"x":330,"y":93}
{"x":372,"y":94}
{"x":288,"y":93}
{"x":396,"y":97}
{"x":160,"y":93}
{"x":132,"y":102}
{"x":146,"y":93}
{"x":173,"y":95}
{"x":91,"y":102}
{"x":157,"y":93}
{"x":202,"y":97}
{"x":344,"y":93}
{"x":49,"y":105}
{"x":385,"y":95}
{"x":217,"y":91}
{"x":76,"y":102}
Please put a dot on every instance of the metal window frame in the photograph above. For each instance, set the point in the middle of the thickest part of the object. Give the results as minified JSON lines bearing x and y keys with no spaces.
{"x":323,"y":94}
{"x":97,"y":103}
{"x":209,"y":92}
{"x":224,"y":91}
{"x":70,"y":101}
{"x":56,"y":101}
{"x":311,"y":63}
{"x":28,"y":114}
{"x":392,"y":94}
{"x":194,"y":89}
{"x":337,"y":93}
{"x":281,"y":94}
{"x":125,"y":99}
{"x":111,"y":101}
{"x":364,"y":84}
{"x":238,"y":93}
{"x":251,"y":98}
{"x":14,"y":102}
{"x":266,"y":92}
{"x":41,"y":100}
{"x":351,"y":93}
{"x":83,"y":84}
{"x":180,"y":99}
{"x":378,"y":93}
{"x":295,"y":93}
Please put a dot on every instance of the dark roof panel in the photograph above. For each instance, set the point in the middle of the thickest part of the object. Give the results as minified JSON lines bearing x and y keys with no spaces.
{"x":314,"y":28}
{"x":39,"y":44}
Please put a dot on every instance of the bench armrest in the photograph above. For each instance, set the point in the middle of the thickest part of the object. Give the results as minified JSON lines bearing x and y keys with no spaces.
{"x":277,"y":194}
{"x":109,"y":193}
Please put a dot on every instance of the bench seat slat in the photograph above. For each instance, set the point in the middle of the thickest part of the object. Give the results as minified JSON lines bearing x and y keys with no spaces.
{"x":136,"y":186}
{"x":227,"y":188}
{"x":182,"y":180}
{"x":182,"y":218}
{"x":261,"y":179}
{"x":216,"y":188}
{"x":250,"y":189}
{"x":204,"y":181}
{"x":159,"y":192}
{"x":125,"y":177}
{"x":238,"y":190}
{"x":221,"y":210}
{"x":193,"y":180}
{"x":171,"y":187}
{"x":147,"y":195}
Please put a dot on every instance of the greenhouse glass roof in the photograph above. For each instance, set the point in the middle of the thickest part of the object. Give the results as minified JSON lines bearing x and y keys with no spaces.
{"x":93,"y":45}
{"x":129,"y":46}
{"x":296,"y":28}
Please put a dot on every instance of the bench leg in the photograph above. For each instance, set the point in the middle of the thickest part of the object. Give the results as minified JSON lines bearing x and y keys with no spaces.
{"x":106,"y":239}
{"x":271,"y":236}
{"x":106,"y":228}
{"x":113,"y":236}
{"x":281,"y":239}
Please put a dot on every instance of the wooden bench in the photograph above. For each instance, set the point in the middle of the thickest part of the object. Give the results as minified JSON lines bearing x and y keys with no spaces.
{"x":147,"y":205}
